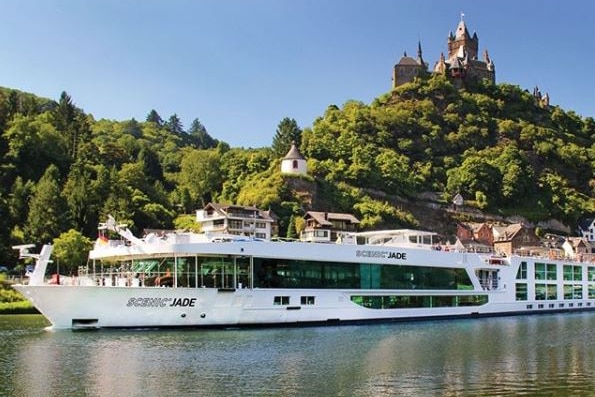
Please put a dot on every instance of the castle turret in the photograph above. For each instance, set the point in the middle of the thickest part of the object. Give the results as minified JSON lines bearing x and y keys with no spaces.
{"x":408,"y":68}
{"x":294,"y":162}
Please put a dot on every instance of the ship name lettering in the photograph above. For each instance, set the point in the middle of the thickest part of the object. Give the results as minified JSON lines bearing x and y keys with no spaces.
{"x":148,"y":302}
{"x":381,"y":254}
{"x":184,"y":302}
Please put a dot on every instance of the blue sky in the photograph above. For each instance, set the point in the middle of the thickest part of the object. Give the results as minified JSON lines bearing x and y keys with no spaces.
{"x":240,"y":66}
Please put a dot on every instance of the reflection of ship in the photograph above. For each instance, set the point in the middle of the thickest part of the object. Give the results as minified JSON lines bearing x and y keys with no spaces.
{"x":232,"y":280}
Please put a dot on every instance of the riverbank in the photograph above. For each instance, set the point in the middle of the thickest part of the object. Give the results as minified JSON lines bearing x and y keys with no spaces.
{"x":12,"y":302}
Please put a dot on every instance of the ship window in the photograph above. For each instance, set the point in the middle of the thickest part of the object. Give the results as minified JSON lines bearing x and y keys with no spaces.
{"x":416,"y":301}
{"x":540,"y":271}
{"x":521,"y":292}
{"x":281,"y":300}
{"x":552,"y":291}
{"x":573,"y":291}
{"x":551,"y":271}
{"x":573,"y":273}
{"x":281,"y":273}
{"x":307,"y":300}
{"x":522,"y":273}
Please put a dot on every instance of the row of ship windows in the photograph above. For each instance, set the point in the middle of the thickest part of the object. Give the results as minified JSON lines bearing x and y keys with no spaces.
{"x":548,"y":271}
{"x":397,"y":301}
{"x":550,"y":291}
{"x":560,"y":305}
{"x":284,"y":300}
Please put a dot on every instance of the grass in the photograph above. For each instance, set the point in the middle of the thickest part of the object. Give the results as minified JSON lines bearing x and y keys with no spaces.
{"x":12,"y":302}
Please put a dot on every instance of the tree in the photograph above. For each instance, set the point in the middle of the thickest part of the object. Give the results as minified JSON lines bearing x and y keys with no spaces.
{"x":174,"y":125}
{"x":200,"y":137}
{"x":72,"y":123}
{"x":287,"y":132}
{"x":81,"y":198}
{"x":154,"y":117}
{"x":291,"y":230}
{"x":71,"y":250}
{"x":47,"y":210}
{"x":200,"y":173}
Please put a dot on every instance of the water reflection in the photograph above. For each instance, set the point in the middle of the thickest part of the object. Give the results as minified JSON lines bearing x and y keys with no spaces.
{"x":534,"y":355}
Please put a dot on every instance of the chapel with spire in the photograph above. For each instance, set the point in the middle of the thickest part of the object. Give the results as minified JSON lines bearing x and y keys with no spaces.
{"x":461,"y":64}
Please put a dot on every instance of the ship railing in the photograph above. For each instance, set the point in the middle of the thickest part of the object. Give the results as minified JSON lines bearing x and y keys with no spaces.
{"x":555,"y":255}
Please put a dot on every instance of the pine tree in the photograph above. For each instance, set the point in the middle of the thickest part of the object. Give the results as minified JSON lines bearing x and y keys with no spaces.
{"x":291,"y":231}
{"x":200,"y":137}
{"x":287,"y":132}
{"x":174,"y":125}
{"x":154,"y":117}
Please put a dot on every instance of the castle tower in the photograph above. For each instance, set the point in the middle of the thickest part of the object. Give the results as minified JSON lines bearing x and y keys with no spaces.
{"x":463,"y":63}
{"x":408,"y":68}
{"x":294,"y":162}
{"x":462,"y":38}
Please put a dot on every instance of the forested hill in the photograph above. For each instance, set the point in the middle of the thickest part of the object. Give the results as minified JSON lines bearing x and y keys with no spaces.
{"x":495,"y":144}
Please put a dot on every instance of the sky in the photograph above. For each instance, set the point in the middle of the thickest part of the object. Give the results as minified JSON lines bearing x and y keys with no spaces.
{"x":241,"y":66}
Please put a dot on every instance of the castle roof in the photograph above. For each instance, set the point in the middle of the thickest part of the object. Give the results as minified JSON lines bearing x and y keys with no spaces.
{"x":294,"y":153}
{"x":408,"y":61}
{"x":462,"y":30}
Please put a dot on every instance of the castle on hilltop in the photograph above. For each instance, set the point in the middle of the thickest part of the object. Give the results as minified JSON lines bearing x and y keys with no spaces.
{"x":461,"y":65}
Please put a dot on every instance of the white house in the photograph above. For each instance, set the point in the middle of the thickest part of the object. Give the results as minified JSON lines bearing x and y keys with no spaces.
{"x":586,"y":228}
{"x":294,"y":162}
{"x":325,"y":226}
{"x":238,"y":220}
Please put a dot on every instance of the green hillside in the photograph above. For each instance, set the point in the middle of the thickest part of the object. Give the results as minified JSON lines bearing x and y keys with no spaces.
{"x":495,"y":144}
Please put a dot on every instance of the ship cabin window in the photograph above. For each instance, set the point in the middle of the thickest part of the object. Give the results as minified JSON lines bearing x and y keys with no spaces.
{"x":546,"y":292}
{"x":545,"y":271}
{"x":522,"y":273}
{"x":417,"y":301}
{"x":573,"y":291}
{"x":282,"y":273}
{"x":573,"y":273}
{"x":521,"y":292}
{"x":281,"y":300}
{"x":307,"y":300}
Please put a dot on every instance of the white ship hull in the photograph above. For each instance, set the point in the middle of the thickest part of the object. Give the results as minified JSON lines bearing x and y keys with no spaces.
{"x":142,"y":307}
{"x":227,"y":284}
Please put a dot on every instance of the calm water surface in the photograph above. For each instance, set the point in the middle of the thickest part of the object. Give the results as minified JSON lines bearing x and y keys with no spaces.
{"x":549,"y":355}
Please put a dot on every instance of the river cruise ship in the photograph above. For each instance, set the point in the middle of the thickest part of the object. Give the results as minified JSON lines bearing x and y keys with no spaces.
{"x":199,"y":280}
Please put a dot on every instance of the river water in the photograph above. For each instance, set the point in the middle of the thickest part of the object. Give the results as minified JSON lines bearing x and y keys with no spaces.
{"x":546,"y":355}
